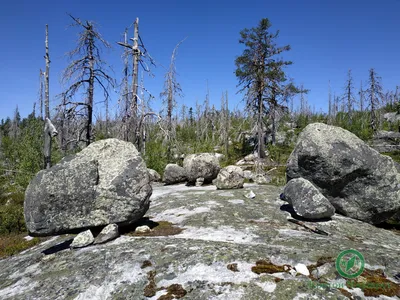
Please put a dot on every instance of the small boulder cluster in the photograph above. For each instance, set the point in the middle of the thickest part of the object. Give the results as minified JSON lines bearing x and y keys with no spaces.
{"x":204,"y":168}
{"x":332,"y":170}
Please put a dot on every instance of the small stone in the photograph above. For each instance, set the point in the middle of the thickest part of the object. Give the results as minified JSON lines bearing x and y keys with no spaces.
{"x":250,"y":195}
{"x":199,"y":181}
{"x":110,"y":232}
{"x":302,"y":269}
{"x":233,"y":267}
{"x":247,"y":174}
{"x":262,"y":179}
{"x":83,"y":239}
{"x":142,"y":229}
{"x":153,"y":175}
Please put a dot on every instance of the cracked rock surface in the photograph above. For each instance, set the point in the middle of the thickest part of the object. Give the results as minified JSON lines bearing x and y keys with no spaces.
{"x":227,"y":245}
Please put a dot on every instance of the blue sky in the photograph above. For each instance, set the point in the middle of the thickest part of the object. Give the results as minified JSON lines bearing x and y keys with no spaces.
{"x":327,"y":39}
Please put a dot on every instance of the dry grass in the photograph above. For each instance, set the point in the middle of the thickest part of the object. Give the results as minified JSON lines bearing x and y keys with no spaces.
{"x":15,"y":243}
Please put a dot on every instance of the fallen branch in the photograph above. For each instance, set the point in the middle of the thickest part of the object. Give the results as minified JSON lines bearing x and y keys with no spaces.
{"x":270,"y":170}
{"x":309,"y":227}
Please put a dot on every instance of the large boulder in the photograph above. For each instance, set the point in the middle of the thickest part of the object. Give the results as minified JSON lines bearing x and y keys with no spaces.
{"x":230,"y":177}
{"x":203,"y":165}
{"x":107,"y":182}
{"x":356,"y":179}
{"x":306,"y":199}
{"x":174,"y":174}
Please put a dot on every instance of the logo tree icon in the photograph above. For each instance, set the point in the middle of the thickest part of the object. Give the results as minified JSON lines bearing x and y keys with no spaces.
{"x":350,"y":263}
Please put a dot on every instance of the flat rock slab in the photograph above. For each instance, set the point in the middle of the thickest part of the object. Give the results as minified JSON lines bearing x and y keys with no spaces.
{"x":217,"y":234}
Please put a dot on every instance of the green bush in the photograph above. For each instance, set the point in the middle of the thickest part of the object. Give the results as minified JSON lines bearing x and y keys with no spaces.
{"x":279,"y":153}
{"x":155,"y":156}
{"x":395,"y":155}
{"x":12,"y":219}
{"x":15,"y":198}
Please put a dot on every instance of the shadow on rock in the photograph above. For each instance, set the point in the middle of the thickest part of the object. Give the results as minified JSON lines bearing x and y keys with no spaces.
{"x":288,"y":208}
{"x":59,"y":247}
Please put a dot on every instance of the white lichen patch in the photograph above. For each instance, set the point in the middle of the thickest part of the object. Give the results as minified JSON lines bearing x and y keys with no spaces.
{"x":20,"y":287}
{"x":179,"y":214}
{"x":159,"y":191}
{"x":226,"y":194}
{"x":236,"y":201}
{"x":214,"y":273}
{"x":120,"y":275}
{"x":199,"y":193}
{"x":268,"y":287}
{"x":220,"y":234}
{"x":304,"y":296}
{"x":28,"y":272}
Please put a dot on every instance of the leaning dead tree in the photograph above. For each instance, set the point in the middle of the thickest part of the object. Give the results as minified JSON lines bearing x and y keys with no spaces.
{"x":171,"y":89}
{"x":86,"y":71}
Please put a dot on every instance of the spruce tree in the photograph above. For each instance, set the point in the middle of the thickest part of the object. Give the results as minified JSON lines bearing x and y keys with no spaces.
{"x":261,"y":75}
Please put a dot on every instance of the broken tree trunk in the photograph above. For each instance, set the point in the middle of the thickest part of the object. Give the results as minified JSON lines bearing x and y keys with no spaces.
{"x":49,"y":132}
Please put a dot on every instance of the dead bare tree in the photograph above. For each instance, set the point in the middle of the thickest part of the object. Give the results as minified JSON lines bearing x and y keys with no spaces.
{"x":124,"y":102}
{"x":49,"y":129}
{"x":86,"y":71}
{"x":374,"y":95}
{"x":171,"y":89}
{"x":46,"y":77}
{"x":41,"y":87}
{"x":138,"y":52}
{"x":224,"y":123}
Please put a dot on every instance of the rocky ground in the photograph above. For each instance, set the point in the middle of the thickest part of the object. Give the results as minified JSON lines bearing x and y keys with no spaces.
{"x":210,"y":244}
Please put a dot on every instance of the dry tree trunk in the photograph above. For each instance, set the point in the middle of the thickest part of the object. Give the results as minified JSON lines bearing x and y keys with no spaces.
{"x":90,"y":90}
{"x":49,"y":132}
{"x":49,"y":129}
{"x":136,"y":54}
{"x":41,"y":93}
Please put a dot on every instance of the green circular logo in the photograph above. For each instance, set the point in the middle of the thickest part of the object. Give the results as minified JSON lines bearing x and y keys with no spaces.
{"x":350,"y":263}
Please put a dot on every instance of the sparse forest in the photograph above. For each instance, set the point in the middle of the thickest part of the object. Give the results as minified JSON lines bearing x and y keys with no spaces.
{"x":276,"y":111}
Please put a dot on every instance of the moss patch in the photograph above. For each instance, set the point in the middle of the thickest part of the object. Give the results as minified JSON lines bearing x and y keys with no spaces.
{"x":321,"y":261}
{"x":174,"y":291}
{"x":374,"y":283}
{"x":15,"y":243}
{"x":146,"y":264}
{"x":346,"y":293}
{"x":265,"y":266}
{"x":160,"y":228}
{"x":150,"y":289}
